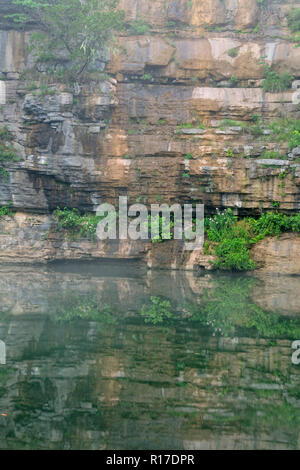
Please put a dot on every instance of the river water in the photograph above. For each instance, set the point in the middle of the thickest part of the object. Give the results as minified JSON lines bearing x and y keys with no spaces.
{"x":111,"y":356}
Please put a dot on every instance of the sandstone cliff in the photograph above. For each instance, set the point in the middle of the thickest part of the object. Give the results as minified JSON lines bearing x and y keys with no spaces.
{"x":165,"y":95}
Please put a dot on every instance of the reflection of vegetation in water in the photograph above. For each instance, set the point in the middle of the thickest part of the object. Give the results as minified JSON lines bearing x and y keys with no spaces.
{"x":228,"y":307}
{"x":4,"y":372}
{"x":225,"y":308}
{"x":158,"y":311}
{"x":74,"y":306}
{"x":231,"y":394}
{"x":3,"y":315}
{"x":281,"y":416}
{"x":284,"y":415}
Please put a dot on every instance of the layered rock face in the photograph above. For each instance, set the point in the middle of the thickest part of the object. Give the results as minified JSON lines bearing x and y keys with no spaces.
{"x":166,"y":96}
{"x":72,"y":144}
{"x":28,"y":238}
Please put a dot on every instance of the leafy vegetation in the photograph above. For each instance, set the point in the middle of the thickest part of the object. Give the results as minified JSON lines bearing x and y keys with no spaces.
{"x":271,"y":154}
{"x":229,"y":307}
{"x":158,"y":312}
{"x":73,"y":307}
{"x":7,"y":151}
{"x":139,"y":27}
{"x":6,"y":148}
{"x":76,"y":224}
{"x":274,"y":223}
{"x":190,"y":125}
{"x":226,"y":309}
{"x":75,"y":32}
{"x":4,"y":174}
{"x":147,"y":77}
{"x":6,"y":211}
{"x":286,"y":130}
{"x":43,"y":89}
{"x":227,"y":237}
{"x":294,"y":23}
{"x":230,"y":239}
{"x":233,"y":254}
{"x":276,"y":82}
{"x":234,"y":80}
{"x":232,"y":123}
{"x":159,"y":229}
{"x":233,"y":52}
{"x":229,"y":153}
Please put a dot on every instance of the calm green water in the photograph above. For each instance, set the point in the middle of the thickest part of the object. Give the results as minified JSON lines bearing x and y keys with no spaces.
{"x":109,"y":356}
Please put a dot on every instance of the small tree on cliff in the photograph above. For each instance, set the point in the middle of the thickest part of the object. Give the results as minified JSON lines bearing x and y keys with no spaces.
{"x":75,"y":31}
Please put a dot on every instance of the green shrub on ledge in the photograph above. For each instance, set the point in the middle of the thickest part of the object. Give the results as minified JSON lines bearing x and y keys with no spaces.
{"x":233,"y":254}
{"x":286,"y":130}
{"x":233,"y":52}
{"x":276,"y":82}
{"x":272,"y":224}
{"x":139,"y":27}
{"x":76,"y":224}
{"x":6,"y":211}
{"x":230,"y":239}
{"x":272,"y":154}
{"x":294,"y":20}
{"x":7,"y":151}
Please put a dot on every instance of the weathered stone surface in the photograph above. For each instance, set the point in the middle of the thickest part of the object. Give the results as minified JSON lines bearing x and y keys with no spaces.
{"x":276,"y":292}
{"x":34,"y":239}
{"x":13,"y":51}
{"x":78,"y":146}
{"x":181,"y":58}
{"x":28,"y":239}
{"x":279,"y":255}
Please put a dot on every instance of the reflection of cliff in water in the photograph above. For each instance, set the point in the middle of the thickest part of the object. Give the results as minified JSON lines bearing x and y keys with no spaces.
{"x":115,"y":358}
{"x":2,"y":352}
